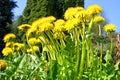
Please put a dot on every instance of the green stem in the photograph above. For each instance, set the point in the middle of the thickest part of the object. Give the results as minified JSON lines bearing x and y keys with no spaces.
{"x":83,"y":54}
{"x":55,"y":46}
{"x":89,"y":47}
{"x":101,"y":47}
{"x":111,"y":43}
{"x":63,"y":45}
{"x":77,"y":50}
{"x":47,"y":43}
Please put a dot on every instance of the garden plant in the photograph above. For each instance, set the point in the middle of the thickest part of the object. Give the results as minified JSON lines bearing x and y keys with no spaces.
{"x":62,"y":49}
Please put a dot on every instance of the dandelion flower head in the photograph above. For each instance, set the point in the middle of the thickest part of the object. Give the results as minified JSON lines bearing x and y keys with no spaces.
{"x":109,"y":27}
{"x":44,"y":23}
{"x":7,"y":51}
{"x":8,"y":37}
{"x":24,"y":27}
{"x":71,"y":12}
{"x":83,"y":15}
{"x":98,"y":19}
{"x":95,"y":9}
{"x":59,"y":25}
{"x":70,"y":24}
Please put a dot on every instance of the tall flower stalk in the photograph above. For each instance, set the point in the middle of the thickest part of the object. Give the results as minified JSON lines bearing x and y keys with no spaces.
{"x":109,"y":28}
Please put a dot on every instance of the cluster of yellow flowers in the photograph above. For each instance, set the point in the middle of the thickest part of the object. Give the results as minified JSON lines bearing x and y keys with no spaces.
{"x":8,"y":40}
{"x":73,"y":17}
{"x":10,"y":44}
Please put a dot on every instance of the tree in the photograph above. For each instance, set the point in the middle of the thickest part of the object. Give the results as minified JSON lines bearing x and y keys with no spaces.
{"x":71,"y":3}
{"x":40,"y":8}
{"x":6,"y":15}
{"x":16,"y":23}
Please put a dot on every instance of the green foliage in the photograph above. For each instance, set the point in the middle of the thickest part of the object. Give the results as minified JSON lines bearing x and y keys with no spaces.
{"x":20,"y":20}
{"x":23,"y":67}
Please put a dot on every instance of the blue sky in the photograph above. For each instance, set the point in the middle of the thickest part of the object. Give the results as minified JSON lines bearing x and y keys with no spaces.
{"x":21,"y":5}
{"x":110,"y":7}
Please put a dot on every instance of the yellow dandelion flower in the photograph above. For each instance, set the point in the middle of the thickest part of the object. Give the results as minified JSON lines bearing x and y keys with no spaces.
{"x":50,"y":18}
{"x":98,"y":19}
{"x":33,"y":41}
{"x":109,"y":27}
{"x":29,"y":50}
{"x":8,"y":37}
{"x":43,"y":20}
{"x":43,"y":24}
{"x":35,"y":48}
{"x":35,"y":30}
{"x":24,"y":27}
{"x":36,"y":22}
{"x":47,"y":19}
{"x":46,"y":26}
{"x":71,"y":12}
{"x":59,"y":25}
{"x":7,"y":51}
{"x":71,"y":23}
{"x":83,"y":15}
{"x":3,"y":64}
{"x":18,"y":46}
{"x":94,"y":9}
